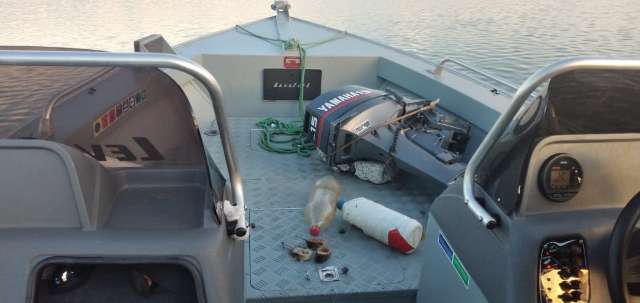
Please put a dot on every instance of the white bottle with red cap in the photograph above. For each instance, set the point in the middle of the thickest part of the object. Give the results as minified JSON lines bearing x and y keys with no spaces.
{"x":383,"y":224}
{"x":321,"y":208}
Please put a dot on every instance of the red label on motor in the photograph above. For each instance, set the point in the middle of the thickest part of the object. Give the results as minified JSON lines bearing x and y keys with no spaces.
{"x":291,"y":62}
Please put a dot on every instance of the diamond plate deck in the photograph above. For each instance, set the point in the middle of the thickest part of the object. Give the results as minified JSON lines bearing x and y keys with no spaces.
{"x":276,"y":190}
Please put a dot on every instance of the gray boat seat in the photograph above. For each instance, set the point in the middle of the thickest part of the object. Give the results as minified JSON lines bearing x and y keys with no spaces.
{"x":47,"y":184}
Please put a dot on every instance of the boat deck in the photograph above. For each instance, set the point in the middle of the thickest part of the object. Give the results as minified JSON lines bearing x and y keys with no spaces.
{"x":276,"y":189}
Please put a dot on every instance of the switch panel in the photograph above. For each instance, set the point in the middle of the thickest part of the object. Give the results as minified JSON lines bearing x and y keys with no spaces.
{"x":563,"y":272}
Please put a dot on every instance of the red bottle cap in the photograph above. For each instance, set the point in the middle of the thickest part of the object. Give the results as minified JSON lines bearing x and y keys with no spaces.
{"x":314,"y":230}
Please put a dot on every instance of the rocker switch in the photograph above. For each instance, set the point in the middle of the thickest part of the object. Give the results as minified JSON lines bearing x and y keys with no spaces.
{"x":563,"y":272}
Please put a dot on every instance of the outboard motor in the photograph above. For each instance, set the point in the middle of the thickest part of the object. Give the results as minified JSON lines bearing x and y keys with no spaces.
{"x":355,"y":123}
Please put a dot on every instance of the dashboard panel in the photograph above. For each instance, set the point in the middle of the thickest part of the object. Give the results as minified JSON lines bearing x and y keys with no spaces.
{"x":563,"y":272}
{"x":608,"y":172}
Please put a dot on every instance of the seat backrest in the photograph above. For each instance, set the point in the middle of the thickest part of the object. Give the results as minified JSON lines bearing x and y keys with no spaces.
{"x":47,"y":184}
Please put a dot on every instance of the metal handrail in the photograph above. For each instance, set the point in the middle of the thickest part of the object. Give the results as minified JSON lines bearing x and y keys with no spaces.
{"x":45,"y":127}
{"x":521,"y":95}
{"x":440,"y":67}
{"x":105,"y":59}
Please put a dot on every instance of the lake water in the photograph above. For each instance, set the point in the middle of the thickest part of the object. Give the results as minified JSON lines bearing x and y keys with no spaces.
{"x":509,"y":38}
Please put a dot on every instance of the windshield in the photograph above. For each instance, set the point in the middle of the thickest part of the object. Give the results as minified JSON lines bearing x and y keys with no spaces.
{"x":593,"y":102}
{"x":579,"y":102}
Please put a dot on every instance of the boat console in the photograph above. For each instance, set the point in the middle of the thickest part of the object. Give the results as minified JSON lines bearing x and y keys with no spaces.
{"x":556,"y":189}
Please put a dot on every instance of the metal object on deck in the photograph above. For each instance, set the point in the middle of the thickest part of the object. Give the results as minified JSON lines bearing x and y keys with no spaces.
{"x":522,"y":94}
{"x":329,"y":274}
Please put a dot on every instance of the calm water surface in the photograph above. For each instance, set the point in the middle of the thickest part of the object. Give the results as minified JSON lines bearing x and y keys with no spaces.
{"x":509,"y":38}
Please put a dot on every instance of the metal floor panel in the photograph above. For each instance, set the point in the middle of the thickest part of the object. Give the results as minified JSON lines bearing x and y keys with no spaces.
{"x":276,"y":191}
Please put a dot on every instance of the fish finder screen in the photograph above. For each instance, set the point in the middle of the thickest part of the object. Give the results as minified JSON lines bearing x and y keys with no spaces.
{"x":560,"y":178}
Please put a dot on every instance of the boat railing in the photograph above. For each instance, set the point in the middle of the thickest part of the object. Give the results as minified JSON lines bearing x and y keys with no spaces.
{"x":437,"y":71}
{"x":45,"y":127}
{"x":520,"y":97}
{"x":158,"y":60}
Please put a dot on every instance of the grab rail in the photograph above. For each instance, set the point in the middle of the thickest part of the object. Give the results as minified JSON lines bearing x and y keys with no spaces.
{"x":105,"y":59}
{"x":440,"y":67}
{"x":521,"y":95}
{"x":45,"y":127}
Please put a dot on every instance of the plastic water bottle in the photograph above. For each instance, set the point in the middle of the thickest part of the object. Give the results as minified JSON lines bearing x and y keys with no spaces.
{"x":322,"y":204}
{"x":383,"y":224}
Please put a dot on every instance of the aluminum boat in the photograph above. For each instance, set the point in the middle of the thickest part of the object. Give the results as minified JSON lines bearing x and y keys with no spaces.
{"x":180,"y":173}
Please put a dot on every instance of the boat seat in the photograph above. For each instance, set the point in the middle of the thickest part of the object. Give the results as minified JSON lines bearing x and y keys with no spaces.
{"x":47,"y":184}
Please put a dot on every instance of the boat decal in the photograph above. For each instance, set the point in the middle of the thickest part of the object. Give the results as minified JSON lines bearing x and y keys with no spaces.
{"x":122,"y":152}
{"x":344,"y":98}
{"x":284,"y":84}
{"x":117,"y":111}
{"x":362,"y":127}
{"x":336,"y":103}
{"x":454,"y":260}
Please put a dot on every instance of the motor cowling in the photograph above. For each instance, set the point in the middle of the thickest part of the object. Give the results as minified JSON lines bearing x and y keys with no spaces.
{"x":329,"y":113}
{"x":355,"y":123}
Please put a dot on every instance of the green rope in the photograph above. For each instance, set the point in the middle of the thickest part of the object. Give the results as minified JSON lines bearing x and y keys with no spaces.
{"x":288,"y":137}
{"x":279,"y":42}
{"x":273,"y":41}
{"x":303,"y":59}
{"x":284,"y":138}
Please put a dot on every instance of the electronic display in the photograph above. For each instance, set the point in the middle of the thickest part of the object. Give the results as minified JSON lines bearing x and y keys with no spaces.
{"x":560,"y":178}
